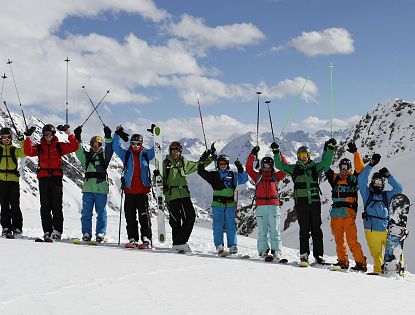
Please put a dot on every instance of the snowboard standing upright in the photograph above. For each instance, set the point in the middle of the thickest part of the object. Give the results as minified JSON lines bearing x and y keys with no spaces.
{"x":397,"y":232}
{"x":158,"y":184}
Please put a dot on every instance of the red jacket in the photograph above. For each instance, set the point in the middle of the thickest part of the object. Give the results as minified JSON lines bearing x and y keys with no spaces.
{"x":266,"y":189}
{"x":50,"y":160}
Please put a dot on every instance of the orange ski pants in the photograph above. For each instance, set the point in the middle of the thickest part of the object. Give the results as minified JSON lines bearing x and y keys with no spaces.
{"x":340,"y":227}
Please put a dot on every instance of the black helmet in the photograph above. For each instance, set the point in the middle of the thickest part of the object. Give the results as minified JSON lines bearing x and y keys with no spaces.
{"x":5,"y":131}
{"x":223,"y":158}
{"x":96,"y":139}
{"x":377,"y":183}
{"x":267,"y":160}
{"x":137,"y":138}
{"x":48,"y":127}
{"x":175,"y":145}
{"x":345,"y":164}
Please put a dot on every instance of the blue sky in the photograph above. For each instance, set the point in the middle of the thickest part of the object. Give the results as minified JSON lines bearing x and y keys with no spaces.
{"x":155,"y":55}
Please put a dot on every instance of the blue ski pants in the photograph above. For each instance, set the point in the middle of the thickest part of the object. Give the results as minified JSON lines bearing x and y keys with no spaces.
{"x":268,"y":219}
{"x":90,"y":199}
{"x":224,"y":219}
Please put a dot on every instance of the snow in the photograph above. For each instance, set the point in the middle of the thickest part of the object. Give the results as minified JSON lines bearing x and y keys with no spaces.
{"x":63,"y":278}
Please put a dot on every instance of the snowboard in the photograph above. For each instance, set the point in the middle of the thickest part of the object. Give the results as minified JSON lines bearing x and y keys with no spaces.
{"x":397,"y":233}
{"x":158,"y":184}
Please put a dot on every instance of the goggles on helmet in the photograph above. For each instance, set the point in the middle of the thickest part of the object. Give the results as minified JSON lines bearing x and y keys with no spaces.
{"x":344,"y":167}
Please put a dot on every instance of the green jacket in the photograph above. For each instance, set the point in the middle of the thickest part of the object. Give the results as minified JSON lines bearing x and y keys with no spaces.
{"x":305,"y":176}
{"x":7,"y":164}
{"x":174,"y":176}
{"x":95,"y":166}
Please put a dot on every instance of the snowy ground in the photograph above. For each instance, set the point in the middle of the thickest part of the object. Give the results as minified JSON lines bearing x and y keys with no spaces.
{"x":62,"y":278}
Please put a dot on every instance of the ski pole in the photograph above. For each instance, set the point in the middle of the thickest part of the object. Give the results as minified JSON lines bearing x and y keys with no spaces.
{"x":257,"y":128}
{"x":10,"y":116}
{"x":299,"y":96}
{"x":92,"y":103}
{"x":9,"y":62}
{"x":66,"y":103}
{"x":2,"y":85}
{"x":95,"y":108}
{"x":270,"y":120}
{"x":119,"y":224}
{"x":331,"y":98}
{"x":201,"y":120}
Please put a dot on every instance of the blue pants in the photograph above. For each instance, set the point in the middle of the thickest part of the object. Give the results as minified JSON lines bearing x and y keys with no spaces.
{"x":268,"y":219}
{"x":88,"y":201}
{"x":224,"y":217}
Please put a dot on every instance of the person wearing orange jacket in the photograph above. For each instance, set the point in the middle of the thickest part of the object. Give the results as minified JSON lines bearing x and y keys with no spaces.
{"x":344,"y":208}
{"x":267,"y":209}
{"x":49,"y":173}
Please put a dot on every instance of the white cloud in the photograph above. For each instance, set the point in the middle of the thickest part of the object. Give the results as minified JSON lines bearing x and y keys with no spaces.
{"x":226,"y":36}
{"x":327,"y":42}
{"x":312,"y":124}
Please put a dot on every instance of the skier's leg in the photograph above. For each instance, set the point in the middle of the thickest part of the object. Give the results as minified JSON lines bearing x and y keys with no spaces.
{"x":230,"y":226}
{"x":316,"y":232}
{"x":338,"y":233}
{"x":16,"y":213}
{"x":130,"y":211}
{"x":101,"y":210}
{"x":188,"y":217}
{"x":218,"y":217}
{"x":86,"y":212}
{"x":45,"y":204}
{"x":5,"y":205}
{"x":274,"y":228}
{"x":304,"y":219}
{"x":262,"y":243}
{"x":375,"y":241}
{"x":144,"y":216}
{"x":56,"y":191}
{"x":174,"y":219}
{"x":351,"y":237}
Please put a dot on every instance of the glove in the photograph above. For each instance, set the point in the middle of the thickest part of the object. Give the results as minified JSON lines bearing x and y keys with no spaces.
{"x":123,"y":135}
{"x":29,"y":131}
{"x":364,"y":215}
{"x":63,"y":128}
{"x":255,"y":150}
{"x":275,"y":148}
{"x":331,"y":144}
{"x":205,"y":155}
{"x":107,"y":132}
{"x":156,"y":173}
{"x":325,"y":146}
{"x":20,"y":137}
{"x":375,"y":159}
{"x":77,"y":132}
{"x":384,"y":172}
{"x":239,"y":166}
{"x":352,"y":147}
{"x":151,"y":129}
{"x":213,"y":151}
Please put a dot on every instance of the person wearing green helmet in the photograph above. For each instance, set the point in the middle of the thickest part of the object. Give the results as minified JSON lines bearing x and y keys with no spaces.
{"x":305,"y":175}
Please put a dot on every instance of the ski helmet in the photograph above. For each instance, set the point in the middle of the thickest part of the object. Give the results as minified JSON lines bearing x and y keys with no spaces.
{"x":267,"y":160}
{"x":345,"y":164}
{"x":48,"y":127}
{"x":303,"y":149}
{"x":5,"y":131}
{"x":96,"y":139}
{"x":175,"y":145}
{"x":377,"y":183}
{"x":137,"y":138}
{"x":222,"y":158}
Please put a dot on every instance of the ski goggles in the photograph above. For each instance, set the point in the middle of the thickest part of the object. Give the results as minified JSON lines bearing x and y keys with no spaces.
{"x":303,"y":155}
{"x":377,"y":182}
{"x":344,"y":167}
{"x":222,"y":163}
{"x":136,"y":143}
{"x":6,"y":137}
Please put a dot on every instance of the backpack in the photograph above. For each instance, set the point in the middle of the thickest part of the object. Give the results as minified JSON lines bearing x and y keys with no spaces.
{"x":89,"y":157}
{"x":14,"y":159}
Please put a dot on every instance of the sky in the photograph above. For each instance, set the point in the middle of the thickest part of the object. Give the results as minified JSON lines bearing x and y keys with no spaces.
{"x":156,"y":56}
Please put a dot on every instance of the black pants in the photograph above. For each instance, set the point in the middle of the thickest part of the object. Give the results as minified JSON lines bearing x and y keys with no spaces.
{"x":132,"y":203}
{"x":309,"y":219}
{"x":11,"y":216}
{"x":51,"y":195}
{"x":182,"y":219}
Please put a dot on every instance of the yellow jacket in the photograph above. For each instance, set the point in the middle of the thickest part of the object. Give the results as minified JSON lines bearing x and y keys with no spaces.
{"x":7,"y":165}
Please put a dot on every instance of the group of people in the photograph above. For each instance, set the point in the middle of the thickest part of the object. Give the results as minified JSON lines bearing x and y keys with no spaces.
{"x":136,"y":185}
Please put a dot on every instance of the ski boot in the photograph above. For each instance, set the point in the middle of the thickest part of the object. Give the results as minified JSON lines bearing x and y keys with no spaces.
{"x":303,"y":260}
{"x":233,"y":249}
{"x":146,"y":243}
{"x":86,"y":237}
{"x":47,"y":237}
{"x":56,"y":235}
{"x":17,"y":232}
{"x":100,"y":238}
{"x":340,"y":265}
{"x":359,"y":267}
{"x":132,"y":243}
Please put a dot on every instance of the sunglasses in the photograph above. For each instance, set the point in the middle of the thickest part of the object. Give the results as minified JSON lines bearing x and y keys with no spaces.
{"x":135,"y":143}
{"x":303,"y":155}
{"x":6,"y":137}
